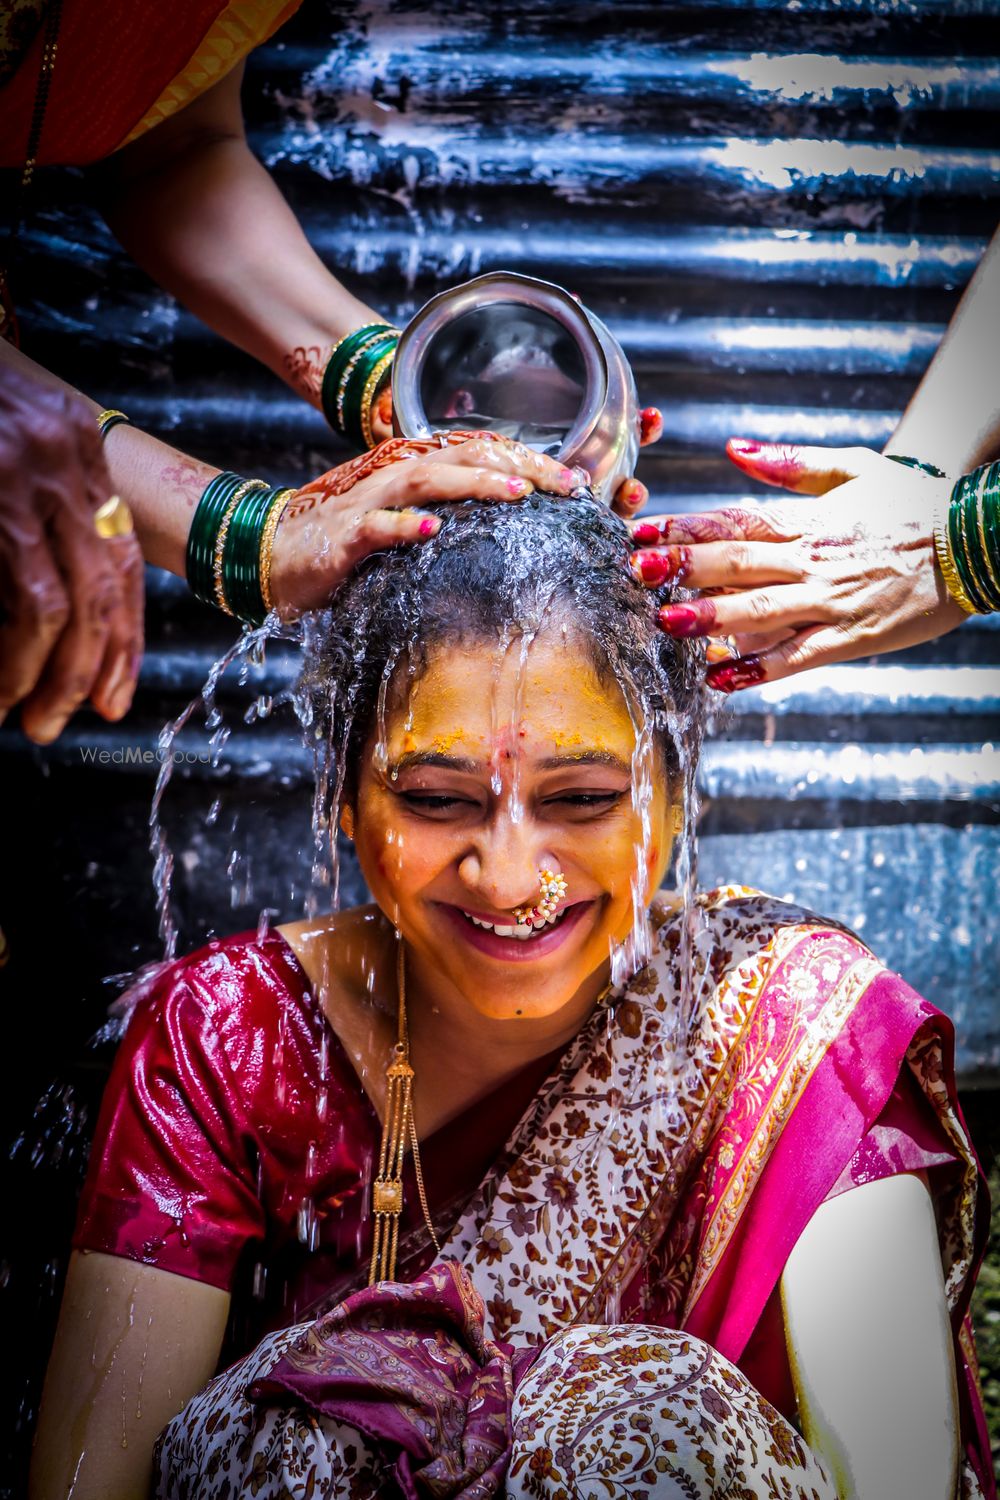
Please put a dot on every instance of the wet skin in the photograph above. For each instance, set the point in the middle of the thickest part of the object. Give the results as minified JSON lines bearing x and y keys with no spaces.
{"x":438,"y":843}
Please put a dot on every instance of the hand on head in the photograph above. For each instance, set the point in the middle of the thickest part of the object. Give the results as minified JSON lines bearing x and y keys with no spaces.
{"x":380,"y":500}
{"x":71,"y":599}
{"x":807,"y":582}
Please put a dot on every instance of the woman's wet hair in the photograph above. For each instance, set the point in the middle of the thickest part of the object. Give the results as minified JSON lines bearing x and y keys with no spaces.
{"x":499,"y":573}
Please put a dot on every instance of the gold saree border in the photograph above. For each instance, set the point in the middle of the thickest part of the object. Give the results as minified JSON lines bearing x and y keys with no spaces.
{"x":801,"y":1061}
{"x":242,"y":26}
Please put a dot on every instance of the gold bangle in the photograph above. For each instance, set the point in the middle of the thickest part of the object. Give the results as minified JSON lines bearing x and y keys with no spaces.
{"x":220,"y":537}
{"x":274,"y":515}
{"x":369,"y":393}
{"x":110,"y":418}
{"x":946,"y":563}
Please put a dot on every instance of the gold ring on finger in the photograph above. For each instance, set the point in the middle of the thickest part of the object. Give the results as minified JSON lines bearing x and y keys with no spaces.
{"x":113,"y":518}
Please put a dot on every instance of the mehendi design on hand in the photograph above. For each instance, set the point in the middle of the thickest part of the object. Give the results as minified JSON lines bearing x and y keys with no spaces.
{"x":186,"y":479}
{"x":305,"y":366}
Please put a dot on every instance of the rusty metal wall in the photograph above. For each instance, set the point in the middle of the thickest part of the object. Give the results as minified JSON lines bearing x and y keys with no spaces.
{"x":775,"y":206}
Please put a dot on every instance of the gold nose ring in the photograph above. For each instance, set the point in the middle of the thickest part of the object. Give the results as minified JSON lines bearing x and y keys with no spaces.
{"x":551,"y":888}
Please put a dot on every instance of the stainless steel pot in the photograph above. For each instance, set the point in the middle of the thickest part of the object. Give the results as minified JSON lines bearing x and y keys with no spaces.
{"x":520,"y":357}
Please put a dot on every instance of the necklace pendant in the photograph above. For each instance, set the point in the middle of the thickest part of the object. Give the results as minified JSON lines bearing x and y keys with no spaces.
{"x":387,"y":1195}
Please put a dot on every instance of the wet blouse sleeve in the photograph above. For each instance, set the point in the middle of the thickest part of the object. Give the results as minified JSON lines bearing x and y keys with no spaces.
{"x":172,"y":1175}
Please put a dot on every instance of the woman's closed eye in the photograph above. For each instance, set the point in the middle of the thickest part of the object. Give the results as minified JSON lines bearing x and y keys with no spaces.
{"x":432,"y":804}
{"x":582,"y":802}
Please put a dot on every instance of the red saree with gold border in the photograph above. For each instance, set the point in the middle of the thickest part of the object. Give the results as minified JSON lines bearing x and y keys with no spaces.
{"x":122,"y":68}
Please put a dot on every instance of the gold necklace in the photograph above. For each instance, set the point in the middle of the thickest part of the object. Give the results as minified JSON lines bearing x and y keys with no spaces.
{"x":398,"y":1130}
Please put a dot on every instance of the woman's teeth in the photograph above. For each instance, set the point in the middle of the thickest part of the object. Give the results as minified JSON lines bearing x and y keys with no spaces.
{"x":520,"y":930}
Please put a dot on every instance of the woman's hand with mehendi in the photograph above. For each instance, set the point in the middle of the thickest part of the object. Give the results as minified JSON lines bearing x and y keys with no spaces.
{"x":630,"y":496}
{"x":801,"y":584}
{"x":375,"y":501}
{"x":71,"y":601}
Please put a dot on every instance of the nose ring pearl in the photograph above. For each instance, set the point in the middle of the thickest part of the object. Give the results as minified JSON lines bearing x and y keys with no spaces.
{"x":552,"y":888}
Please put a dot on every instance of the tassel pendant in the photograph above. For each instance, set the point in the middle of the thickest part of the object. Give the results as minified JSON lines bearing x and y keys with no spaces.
{"x":387,"y":1189}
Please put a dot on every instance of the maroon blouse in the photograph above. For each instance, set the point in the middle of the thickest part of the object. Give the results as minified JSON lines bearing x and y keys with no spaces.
{"x":235,"y":1141}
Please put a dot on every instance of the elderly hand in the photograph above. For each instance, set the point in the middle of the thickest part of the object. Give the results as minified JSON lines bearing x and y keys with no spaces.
{"x":802,"y":584}
{"x":71,"y":602}
{"x":373,"y":501}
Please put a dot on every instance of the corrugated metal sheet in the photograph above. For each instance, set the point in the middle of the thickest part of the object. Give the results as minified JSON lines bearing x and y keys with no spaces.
{"x":775,"y":207}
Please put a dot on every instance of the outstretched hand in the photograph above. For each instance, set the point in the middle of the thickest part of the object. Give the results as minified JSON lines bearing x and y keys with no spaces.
{"x":803,"y":583}
{"x":375,"y":501}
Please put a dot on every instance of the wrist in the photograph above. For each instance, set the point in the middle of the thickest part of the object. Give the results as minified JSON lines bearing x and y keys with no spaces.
{"x":230,"y":544}
{"x":354,"y":377}
{"x":967,"y":540}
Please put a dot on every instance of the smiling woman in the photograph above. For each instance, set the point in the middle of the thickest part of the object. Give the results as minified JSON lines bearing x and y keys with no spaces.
{"x":698,"y":1164}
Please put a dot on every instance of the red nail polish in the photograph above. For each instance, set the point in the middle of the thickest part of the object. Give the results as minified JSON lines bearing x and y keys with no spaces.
{"x":680,"y":620}
{"x":655,"y":568}
{"x":645,"y":533}
{"x":428,"y":526}
{"x":518,"y":486}
{"x":730,"y":676}
{"x":744,"y":446}
{"x":566,"y":479}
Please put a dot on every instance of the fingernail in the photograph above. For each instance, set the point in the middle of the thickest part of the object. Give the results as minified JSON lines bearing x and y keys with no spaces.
{"x":115,"y":676}
{"x":680,"y":620}
{"x":645,"y":533}
{"x":581,"y":477}
{"x":650,"y":424}
{"x":744,"y":446}
{"x":430,"y":525}
{"x":654,"y":568}
{"x":121,"y":701}
{"x":49,"y":730}
{"x":519,"y":486}
{"x":733,"y":675}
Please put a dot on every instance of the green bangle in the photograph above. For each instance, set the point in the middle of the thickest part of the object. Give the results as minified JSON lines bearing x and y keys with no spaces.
{"x":205,"y":526}
{"x":991,"y":518}
{"x":337,"y":366}
{"x":975,"y":513}
{"x":959,"y":543}
{"x":241,"y":554}
{"x":917,"y":463}
{"x":355,"y":388}
{"x":975,"y":546}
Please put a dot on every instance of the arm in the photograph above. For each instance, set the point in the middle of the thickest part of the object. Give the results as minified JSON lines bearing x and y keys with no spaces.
{"x":953,"y":420}
{"x":870,"y":1344}
{"x":812,"y":584}
{"x":324,"y":532}
{"x":133,"y":1345}
{"x":196,"y":209}
{"x":193,"y":205}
